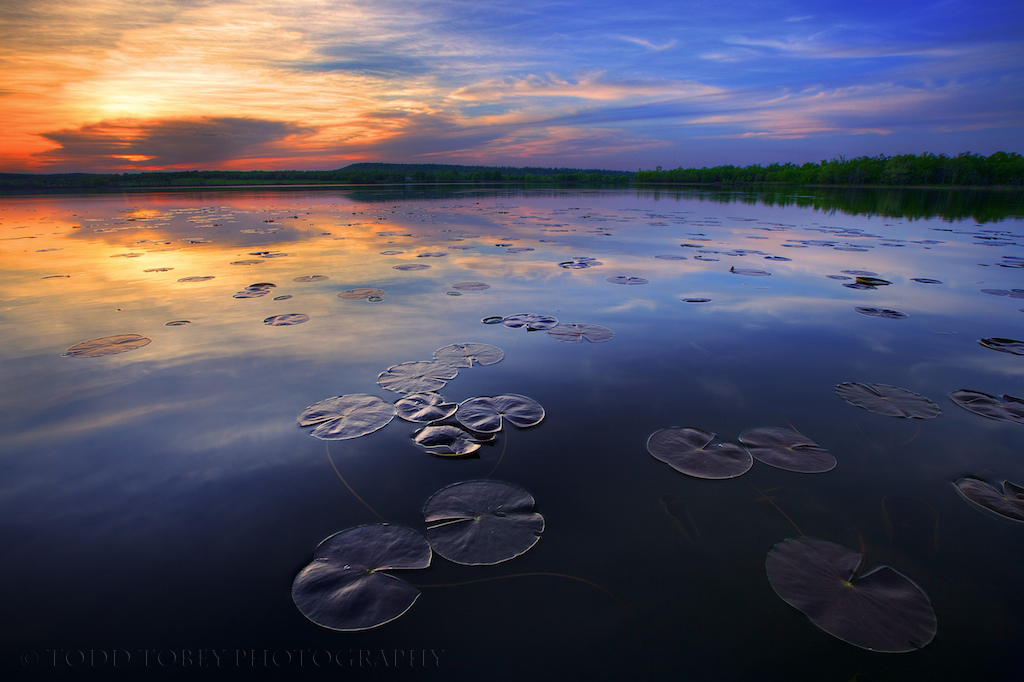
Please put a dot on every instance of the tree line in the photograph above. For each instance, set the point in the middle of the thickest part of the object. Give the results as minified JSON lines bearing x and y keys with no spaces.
{"x":962,"y":170}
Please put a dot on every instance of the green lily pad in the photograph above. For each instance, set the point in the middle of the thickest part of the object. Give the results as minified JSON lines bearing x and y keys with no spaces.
{"x":480,"y":523}
{"x":344,"y":587}
{"x":881,"y":610}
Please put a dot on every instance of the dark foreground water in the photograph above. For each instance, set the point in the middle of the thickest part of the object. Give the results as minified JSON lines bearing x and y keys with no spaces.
{"x":157,"y":504}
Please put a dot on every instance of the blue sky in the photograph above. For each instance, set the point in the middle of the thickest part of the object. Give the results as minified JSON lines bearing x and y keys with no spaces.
{"x":112,"y":85}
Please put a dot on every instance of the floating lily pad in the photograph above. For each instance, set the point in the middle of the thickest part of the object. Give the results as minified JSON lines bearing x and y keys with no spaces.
{"x":1007,"y":503}
{"x":196,"y":278}
{"x":347,"y":416}
{"x":177,"y":323}
{"x":787,"y":449}
{"x":447,"y":440}
{"x":686,"y":450}
{"x":531,"y":321}
{"x":255,"y":290}
{"x":466,"y":354}
{"x":881,"y":610}
{"x":471,"y":286}
{"x":925,"y":280}
{"x":1004,"y":345}
{"x":343,"y":588}
{"x":493,"y":319}
{"x":696,"y":300}
{"x":750,"y":272}
{"x":580,"y":262}
{"x":888,"y":400}
{"x":881,"y":312}
{"x":629,"y":281}
{"x":283,"y":297}
{"x":485,"y":414}
{"x":363,"y":294}
{"x":423,"y":376}
{"x":872,"y":281}
{"x":411,"y":266}
{"x":480,"y":523}
{"x":575,"y":333}
{"x":286,"y":319}
{"x":310,"y":278}
{"x":1008,"y":408}
{"x":108,"y":345}
{"x":424,"y":407}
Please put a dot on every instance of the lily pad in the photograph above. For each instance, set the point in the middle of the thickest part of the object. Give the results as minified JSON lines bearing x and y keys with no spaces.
{"x":629,"y":281}
{"x":787,"y":449}
{"x":750,"y":272}
{"x":926,"y":280}
{"x":1008,"y":408}
{"x":424,"y":407}
{"x":286,"y":319}
{"x":471,"y":286}
{"x":177,"y":323}
{"x":343,"y":588}
{"x":872,"y":281}
{"x":1007,"y":503}
{"x":466,"y":354}
{"x":485,"y":414}
{"x":108,"y":345}
{"x":888,"y":400}
{"x":423,"y":376}
{"x":575,"y":333}
{"x":580,"y":262}
{"x":411,"y":266}
{"x":1004,"y":345}
{"x":310,"y":278}
{"x":881,"y":312}
{"x":696,"y":300}
{"x":881,"y":610}
{"x":531,"y":321}
{"x":347,"y":416}
{"x":686,"y":450}
{"x":447,"y":440}
{"x":363,"y":294}
{"x":480,"y":523}
{"x":197,"y":278}
{"x":493,"y":319}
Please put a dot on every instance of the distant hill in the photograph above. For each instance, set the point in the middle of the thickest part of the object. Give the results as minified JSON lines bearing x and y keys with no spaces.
{"x":506,"y":171}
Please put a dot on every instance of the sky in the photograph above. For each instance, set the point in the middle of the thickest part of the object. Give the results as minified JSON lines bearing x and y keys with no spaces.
{"x":128,"y":86}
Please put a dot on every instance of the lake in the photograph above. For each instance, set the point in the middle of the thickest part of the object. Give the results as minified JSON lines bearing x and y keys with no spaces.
{"x":159,"y":501}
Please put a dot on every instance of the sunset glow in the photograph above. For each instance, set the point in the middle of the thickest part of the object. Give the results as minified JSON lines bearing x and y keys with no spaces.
{"x":115,"y":86}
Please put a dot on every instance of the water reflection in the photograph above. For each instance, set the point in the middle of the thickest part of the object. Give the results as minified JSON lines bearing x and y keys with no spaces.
{"x":176,"y":476}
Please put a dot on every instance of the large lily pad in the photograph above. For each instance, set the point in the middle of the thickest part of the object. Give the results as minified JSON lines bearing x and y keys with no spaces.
{"x":1008,"y":408}
{"x":1004,"y":345}
{"x":485,"y":414}
{"x":343,"y":588}
{"x":424,"y":407}
{"x":363,"y":294}
{"x":531,"y":321}
{"x":466,"y":354}
{"x":686,"y":450}
{"x":882,"y":312}
{"x":626,"y":280}
{"x":423,"y":376}
{"x":888,"y":400}
{"x":347,"y":416}
{"x":479,"y":523}
{"x":108,"y":345}
{"x":575,"y":333}
{"x":881,"y":610}
{"x":1007,"y":503}
{"x":447,"y":440}
{"x":787,"y":449}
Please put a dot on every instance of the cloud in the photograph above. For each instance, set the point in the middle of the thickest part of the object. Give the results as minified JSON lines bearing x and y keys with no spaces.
{"x":591,"y":86}
{"x":167,"y":143}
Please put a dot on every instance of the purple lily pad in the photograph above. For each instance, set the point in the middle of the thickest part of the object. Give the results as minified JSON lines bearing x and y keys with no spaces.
{"x":686,"y":450}
{"x":881,"y":610}
{"x":1008,"y":408}
{"x":787,"y":449}
{"x":575,"y":333}
{"x":1007,"y":503}
{"x":888,"y":400}
{"x":108,"y":345}
{"x":1004,"y":345}
{"x":480,"y":523}
{"x":485,"y":414}
{"x":347,"y":416}
{"x":343,"y":588}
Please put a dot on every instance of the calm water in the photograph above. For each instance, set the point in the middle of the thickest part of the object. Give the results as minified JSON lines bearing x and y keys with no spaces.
{"x":157,"y":504}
